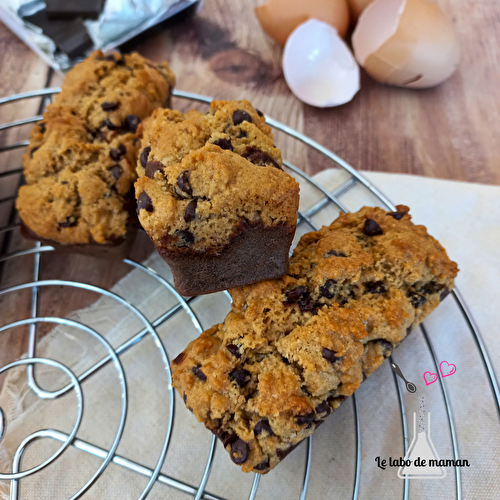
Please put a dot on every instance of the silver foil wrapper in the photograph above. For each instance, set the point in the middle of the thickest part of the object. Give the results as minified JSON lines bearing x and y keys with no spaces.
{"x":120,"y":21}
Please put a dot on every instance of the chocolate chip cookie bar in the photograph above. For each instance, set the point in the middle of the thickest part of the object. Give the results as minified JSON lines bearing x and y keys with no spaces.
{"x":80,"y":163}
{"x":292,"y":349}
{"x":213,"y":197}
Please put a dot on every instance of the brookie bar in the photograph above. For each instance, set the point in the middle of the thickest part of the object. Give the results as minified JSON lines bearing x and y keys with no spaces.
{"x":213,"y":197}
{"x":80,"y":163}
{"x":291,"y":350}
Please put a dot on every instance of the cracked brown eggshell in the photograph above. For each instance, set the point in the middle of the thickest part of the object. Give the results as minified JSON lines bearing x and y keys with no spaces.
{"x":279,"y":18}
{"x":408,"y":43}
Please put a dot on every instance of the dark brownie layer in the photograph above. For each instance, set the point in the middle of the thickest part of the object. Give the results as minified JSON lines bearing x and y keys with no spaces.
{"x":256,"y":252}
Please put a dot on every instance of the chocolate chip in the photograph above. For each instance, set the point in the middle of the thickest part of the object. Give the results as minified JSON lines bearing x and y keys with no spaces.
{"x":144,"y":156}
{"x":197,"y":371}
{"x":152,"y":167}
{"x":224,"y":144}
{"x":387,"y":347}
{"x":304,"y":419}
{"x":64,"y":182}
{"x":262,"y":465}
{"x":116,"y":170}
{"x":241,"y":377}
{"x":144,"y":202}
{"x":115,"y":154}
{"x":109,"y":57}
{"x":330,"y":355}
{"x":108,"y":123}
{"x":119,"y":153}
{"x":110,"y":106}
{"x":294,"y":295}
{"x":234,"y":350}
{"x":302,"y":298}
{"x":258,"y":157}
{"x":240,"y":116}
{"x":432,"y":287}
{"x":328,"y":289}
{"x":417,"y":299}
{"x":262,"y":426}
{"x":32,"y":152}
{"x":228,"y":439}
{"x":183,"y":182}
{"x":131,"y":123}
{"x":396,"y":215}
{"x":307,"y":304}
{"x":444,"y":294}
{"x":371,"y":228}
{"x":190,"y":213}
{"x":239,"y":452}
{"x":179,"y":359}
{"x":43,"y":127}
{"x":260,"y":113}
{"x":335,"y":253}
{"x":186,"y":235}
{"x":375,"y":287}
{"x":69,"y":222}
{"x":98,"y":134}
{"x":242,"y":134}
{"x":323,"y":407}
{"x":185,"y":398}
{"x":120,"y":62}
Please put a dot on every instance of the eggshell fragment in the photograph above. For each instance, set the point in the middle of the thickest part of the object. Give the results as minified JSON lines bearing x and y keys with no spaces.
{"x":409,"y":43}
{"x":356,"y":7}
{"x":279,"y":18}
{"x":318,"y":66}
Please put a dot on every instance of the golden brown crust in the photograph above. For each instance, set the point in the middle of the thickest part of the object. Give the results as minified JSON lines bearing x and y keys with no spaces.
{"x":80,"y":163}
{"x":292,"y":349}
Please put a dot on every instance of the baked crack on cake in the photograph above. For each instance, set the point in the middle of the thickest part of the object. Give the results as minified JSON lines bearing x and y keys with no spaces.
{"x":292,"y":349}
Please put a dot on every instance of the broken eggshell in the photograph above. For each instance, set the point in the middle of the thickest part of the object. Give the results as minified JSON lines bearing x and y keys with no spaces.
{"x":318,"y":66}
{"x":408,"y":43}
{"x":279,"y":18}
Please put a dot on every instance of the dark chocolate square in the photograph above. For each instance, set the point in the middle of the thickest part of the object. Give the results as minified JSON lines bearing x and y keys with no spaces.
{"x":50,"y":27}
{"x":74,"y":39}
{"x":67,"y":9}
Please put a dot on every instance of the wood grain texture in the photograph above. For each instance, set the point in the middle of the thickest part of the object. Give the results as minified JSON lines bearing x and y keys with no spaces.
{"x":447,"y":132}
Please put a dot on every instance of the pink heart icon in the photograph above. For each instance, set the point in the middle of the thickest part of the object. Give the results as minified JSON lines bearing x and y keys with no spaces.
{"x":447,"y":369}
{"x":430,"y":378}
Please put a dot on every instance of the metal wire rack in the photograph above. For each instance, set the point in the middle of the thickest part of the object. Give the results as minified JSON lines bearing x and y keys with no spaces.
{"x":153,"y":474}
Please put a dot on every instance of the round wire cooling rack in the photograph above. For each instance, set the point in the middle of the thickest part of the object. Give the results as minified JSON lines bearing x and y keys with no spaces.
{"x":153,"y":474}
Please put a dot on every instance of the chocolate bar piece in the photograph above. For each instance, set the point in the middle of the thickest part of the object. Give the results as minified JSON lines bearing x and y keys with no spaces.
{"x":49,"y":27}
{"x":67,"y":9}
{"x":74,"y":39}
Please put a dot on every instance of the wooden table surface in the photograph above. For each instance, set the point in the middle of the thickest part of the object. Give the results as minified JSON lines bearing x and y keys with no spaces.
{"x":449,"y":132}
